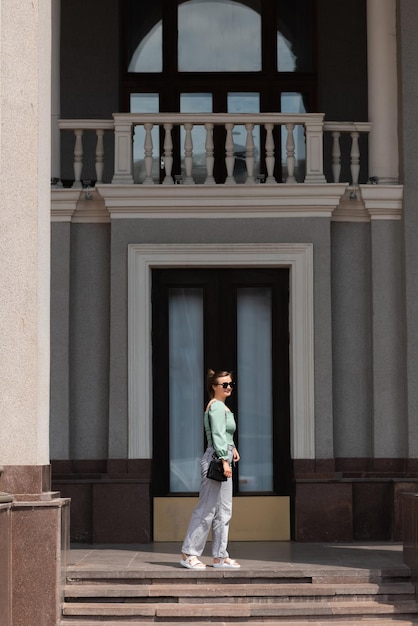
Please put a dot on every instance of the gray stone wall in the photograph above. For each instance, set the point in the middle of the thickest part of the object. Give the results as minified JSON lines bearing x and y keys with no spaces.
{"x":387,"y":291}
{"x":408,"y":81}
{"x":60,"y":341}
{"x":352,"y":340}
{"x":224,"y":230}
{"x":80,"y":341}
{"x":359,"y":366}
{"x":89,"y":341}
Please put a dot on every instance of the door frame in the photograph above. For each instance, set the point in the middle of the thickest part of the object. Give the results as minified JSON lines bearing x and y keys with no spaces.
{"x":298,"y":257}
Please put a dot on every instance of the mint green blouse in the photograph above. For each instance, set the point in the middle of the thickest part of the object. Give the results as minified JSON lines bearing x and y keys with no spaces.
{"x":222,"y":427}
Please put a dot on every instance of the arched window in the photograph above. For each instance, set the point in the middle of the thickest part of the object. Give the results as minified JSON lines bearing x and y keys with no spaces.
{"x":235,"y":56}
{"x":264,"y":46}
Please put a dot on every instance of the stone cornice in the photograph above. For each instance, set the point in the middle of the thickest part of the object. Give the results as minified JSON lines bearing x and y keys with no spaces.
{"x":78,"y":206}
{"x":383,"y":202}
{"x":338,"y":202}
{"x":91,"y":208}
{"x":63,"y":204}
{"x":234,"y":201}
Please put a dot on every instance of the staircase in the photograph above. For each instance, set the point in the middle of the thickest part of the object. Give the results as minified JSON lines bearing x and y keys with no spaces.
{"x":338,"y":597}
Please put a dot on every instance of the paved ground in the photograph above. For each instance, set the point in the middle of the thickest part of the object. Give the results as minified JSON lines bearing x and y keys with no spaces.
{"x":259,"y":556}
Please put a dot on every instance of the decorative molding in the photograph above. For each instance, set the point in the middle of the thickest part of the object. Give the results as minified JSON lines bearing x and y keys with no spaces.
{"x":72,"y":205}
{"x":142,"y":258}
{"x":370,"y":202}
{"x":208,"y":201}
{"x":383,"y":202}
{"x":351,"y":208}
{"x":63,"y":204}
{"x":91,"y":208}
{"x":338,"y":202}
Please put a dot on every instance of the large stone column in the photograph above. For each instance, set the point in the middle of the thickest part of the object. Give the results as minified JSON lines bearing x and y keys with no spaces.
{"x":25,"y":233}
{"x":55,"y":94}
{"x":383,"y":90}
{"x":25,"y":123}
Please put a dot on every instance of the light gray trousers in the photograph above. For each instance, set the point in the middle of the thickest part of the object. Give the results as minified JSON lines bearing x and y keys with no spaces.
{"x":214,"y":509}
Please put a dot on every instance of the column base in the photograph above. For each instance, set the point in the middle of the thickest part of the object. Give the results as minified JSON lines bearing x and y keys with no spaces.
{"x":5,"y":564}
{"x":26,"y":480}
{"x":40,"y":538}
{"x":34,"y":534}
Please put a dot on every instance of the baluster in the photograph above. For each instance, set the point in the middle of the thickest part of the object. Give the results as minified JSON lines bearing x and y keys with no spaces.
{"x":78,"y":157}
{"x":210,"y":159}
{"x":99,"y":155}
{"x":249,"y":154}
{"x":188,"y":154}
{"x":290,"y":154}
{"x":314,"y":136}
{"x":123,"y":152}
{"x":229,"y":152}
{"x":148,"y":148}
{"x":269,"y":153}
{"x":336,"y":156}
{"x":168,"y":154}
{"x":355,"y":158}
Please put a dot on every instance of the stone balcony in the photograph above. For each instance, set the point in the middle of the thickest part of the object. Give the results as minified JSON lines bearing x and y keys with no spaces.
{"x":180,"y":165}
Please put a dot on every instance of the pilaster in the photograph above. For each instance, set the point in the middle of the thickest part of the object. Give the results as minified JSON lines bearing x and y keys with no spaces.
{"x":383,"y":90}
{"x":384,"y":205}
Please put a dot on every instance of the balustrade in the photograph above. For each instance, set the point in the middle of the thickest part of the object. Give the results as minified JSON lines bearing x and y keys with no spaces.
{"x":271,"y":153}
{"x":78,"y":127}
{"x":353,"y":129}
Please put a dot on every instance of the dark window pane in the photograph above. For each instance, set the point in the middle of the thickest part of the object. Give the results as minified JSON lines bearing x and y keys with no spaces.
{"x":145,"y":48}
{"x":219,"y":36}
{"x":294,"y":35}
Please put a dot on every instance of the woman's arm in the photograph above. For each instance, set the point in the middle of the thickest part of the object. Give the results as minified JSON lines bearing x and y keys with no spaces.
{"x":217,"y":421}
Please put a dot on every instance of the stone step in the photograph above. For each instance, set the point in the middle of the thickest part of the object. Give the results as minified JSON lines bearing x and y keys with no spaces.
{"x":238,"y":592}
{"x":383,"y":621}
{"x":340,"y":596}
{"x":247,"y":575}
{"x":245,"y":611}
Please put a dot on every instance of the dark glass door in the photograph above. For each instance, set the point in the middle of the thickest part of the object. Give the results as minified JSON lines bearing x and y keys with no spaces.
{"x":221,"y":319}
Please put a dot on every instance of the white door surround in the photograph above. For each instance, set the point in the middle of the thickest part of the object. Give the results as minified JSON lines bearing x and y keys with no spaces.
{"x":142,"y":258}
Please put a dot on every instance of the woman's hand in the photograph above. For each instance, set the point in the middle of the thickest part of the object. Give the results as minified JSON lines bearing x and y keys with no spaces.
{"x":227,"y":468}
{"x":236,"y":455}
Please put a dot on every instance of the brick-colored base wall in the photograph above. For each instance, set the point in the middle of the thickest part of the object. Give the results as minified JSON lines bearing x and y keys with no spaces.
{"x":333,"y":499}
{"x":110,"y":500}
{"x":409,"y":505}
{"x":5,"y":564}
{"x":351,"y":499}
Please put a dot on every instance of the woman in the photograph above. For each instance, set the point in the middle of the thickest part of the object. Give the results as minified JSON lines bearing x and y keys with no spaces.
{"x":214,"y":508}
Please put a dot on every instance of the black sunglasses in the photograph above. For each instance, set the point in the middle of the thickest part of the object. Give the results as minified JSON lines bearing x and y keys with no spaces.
{"x":225,"y":385}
